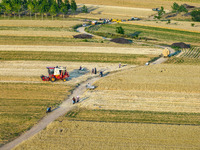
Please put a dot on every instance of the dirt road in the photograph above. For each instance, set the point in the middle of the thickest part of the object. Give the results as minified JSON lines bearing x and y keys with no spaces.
{"x":64,"y":107}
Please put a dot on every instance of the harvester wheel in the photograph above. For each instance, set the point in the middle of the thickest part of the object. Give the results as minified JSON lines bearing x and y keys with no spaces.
{"x":53,"y":79}
{"x":64,"y":80}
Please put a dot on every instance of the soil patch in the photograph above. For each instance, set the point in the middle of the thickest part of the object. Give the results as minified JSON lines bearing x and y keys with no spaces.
{"x":121,"y":41}
{"x":83,"y":36}
{"x":181,"y":45}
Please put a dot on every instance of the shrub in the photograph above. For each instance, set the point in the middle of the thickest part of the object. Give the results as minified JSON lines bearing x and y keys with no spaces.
{"x":120,"y":30}
{"x":195,"y":15}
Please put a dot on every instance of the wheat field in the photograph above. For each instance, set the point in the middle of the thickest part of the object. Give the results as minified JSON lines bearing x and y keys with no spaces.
{"x":100,"y":135}
{"x":177,"y":25}
{"x":139,"y":4}
{"x":165,"y":88}
{"x":115,"y":12}
{"x":39,"y":23}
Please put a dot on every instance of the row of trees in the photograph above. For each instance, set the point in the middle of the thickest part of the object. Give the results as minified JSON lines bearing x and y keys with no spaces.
{"x":178,"y":8}
{"x":52,"y":7}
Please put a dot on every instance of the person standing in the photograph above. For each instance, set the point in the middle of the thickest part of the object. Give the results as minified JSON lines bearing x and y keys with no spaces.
{"x":95,"y":70}
{"x":73,"y":100}
{"x":77,"y":99}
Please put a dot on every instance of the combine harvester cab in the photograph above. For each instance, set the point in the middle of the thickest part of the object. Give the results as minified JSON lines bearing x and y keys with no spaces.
{"x":56,"y":73}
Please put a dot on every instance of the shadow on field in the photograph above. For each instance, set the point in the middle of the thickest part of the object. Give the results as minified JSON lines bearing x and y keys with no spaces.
{"x":83,"y":99}
{"x":77,"y":73}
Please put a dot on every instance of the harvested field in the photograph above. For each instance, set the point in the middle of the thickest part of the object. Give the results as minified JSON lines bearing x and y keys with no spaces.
{"x":25,"y":97}
{"x":23,"y":105}
{"x":118,"y":12}
{"x":154,"y":88}
{"x":176,"y":25}
{"x":31,"y":70}
{"x":158,"y":34}
{"x":117,"y":50}
{"x":91,"y":135}
{"x":39,"y":23}
{"x":64,"y":34}
{"x":141,"y":4}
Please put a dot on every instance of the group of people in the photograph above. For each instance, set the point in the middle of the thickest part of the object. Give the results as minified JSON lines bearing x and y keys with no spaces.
{"x":94,"y":70}
{"x":75,"y":100}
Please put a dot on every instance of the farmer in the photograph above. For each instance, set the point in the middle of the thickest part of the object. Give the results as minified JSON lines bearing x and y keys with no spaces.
{"x":77,"y":99}
{"x":120,"y":65}
{"x":48,"y":109}
{"x":92,"y":70}
{"x":80,"y":68}
{"x":73,"y":100}
{"x":101,"y":73}
{"x":95,"y":70}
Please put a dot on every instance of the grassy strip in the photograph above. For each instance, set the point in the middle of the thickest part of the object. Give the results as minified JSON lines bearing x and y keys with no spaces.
{"x":74,"y":56}
{"x":15,"y":40}
{"x":34,"y":28}
{"x":22,"y":105}
{"x":187,"y":61}
{"x":134,"y":116}
{"x":151,"y":32}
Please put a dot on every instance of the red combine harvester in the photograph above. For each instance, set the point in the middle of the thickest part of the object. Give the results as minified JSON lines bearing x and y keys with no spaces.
{"x":56,"y":73}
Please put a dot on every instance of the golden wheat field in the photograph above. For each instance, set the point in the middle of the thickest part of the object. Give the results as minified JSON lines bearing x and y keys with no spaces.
{"x":23,"y":104}
{"x":63,"y":34}
{"x":116,"y":50}
{"x":177,"y":25}
{"x":140,"y":4}
{"x":100,"y":135}
{"x":38,"y":23}
{"x":30,"y":71}
{"x":169,"y":88}
{"x":116,"y":12}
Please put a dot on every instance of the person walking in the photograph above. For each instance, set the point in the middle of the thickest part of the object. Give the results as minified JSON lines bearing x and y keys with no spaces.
{"x":73,"y":100}
{"x":77,"y":99}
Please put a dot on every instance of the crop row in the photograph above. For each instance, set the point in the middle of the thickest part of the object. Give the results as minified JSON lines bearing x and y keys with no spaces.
{"x":191,"y":53}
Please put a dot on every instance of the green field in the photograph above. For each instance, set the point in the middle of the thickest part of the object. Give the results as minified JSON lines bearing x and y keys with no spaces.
{"x":155,"y":34}
{"x":78,"y":57}
{"x":22,"y":105}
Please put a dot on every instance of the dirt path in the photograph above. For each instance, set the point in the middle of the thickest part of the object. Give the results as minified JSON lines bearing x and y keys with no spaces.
{"x":63,"y":108}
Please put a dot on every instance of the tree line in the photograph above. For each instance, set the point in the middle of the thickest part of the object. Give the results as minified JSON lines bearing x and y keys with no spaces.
{"x":33,"y":7}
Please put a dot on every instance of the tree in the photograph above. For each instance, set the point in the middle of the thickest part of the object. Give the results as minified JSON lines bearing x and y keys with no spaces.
{"x":18,"y":7}
{"x":67,"y":4}
{"x":43,"y":8}
{"x":59,"y":3}
{"x":175,"y":7}
{"x":8,"y":8}
{"x":64,"y":9}
{"x":30,"y":8}
{"x":36,"y":7}
{"x":73,"y":6}
{"x":160,"y":13}
{"x":53,"y":9}
{"x":84,"y":9}
{"x":195,"y":15}
{"x":120,"y":30}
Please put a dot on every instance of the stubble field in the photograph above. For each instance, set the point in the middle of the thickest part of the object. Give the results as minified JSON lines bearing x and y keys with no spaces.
{"x":100,"y":135}
{"x":165,"y":88}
